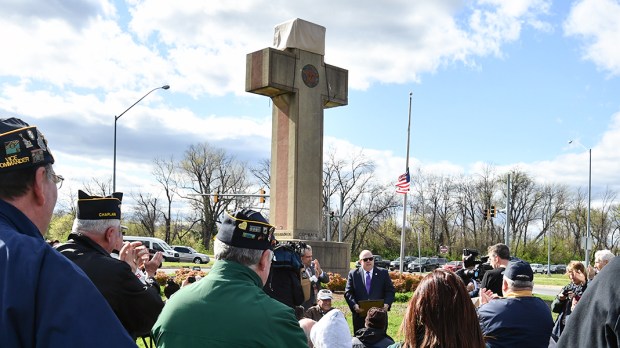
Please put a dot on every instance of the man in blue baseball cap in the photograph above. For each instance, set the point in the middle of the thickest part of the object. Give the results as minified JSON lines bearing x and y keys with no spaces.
{"x":517,"y":319}
{"x":45,"y":300}
{"x":232,"y":295}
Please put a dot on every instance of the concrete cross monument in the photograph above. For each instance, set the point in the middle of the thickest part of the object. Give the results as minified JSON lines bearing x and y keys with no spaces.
{"x":300,"y":84}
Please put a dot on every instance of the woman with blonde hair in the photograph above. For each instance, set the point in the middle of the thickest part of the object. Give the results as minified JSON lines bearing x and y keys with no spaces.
{"x":440,"y":314}
{"x":570,"y":295}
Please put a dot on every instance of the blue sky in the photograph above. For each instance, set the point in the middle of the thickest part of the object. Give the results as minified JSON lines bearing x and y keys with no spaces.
{"x":506,"y":83}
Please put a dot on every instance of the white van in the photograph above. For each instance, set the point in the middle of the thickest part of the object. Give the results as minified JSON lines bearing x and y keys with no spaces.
{"x":155,"y":245}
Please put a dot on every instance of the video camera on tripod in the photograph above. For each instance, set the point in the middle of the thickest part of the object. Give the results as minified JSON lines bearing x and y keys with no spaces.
{"x":479,"y":266}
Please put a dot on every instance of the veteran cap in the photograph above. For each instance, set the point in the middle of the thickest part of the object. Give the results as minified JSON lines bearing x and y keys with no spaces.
{"x":519,"y":270}
{"x":22,"y":146}
{"x":99,"y":208}
{"x":246,"y":229}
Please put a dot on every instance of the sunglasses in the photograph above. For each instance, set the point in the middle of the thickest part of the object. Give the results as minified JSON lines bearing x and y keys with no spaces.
{"x":368,"y":259}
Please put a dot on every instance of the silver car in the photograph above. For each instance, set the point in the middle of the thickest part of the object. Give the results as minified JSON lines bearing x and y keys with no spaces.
{"x":188,"y":254}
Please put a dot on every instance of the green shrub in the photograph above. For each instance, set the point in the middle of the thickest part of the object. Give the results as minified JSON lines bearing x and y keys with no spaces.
{"x":403,"y":297}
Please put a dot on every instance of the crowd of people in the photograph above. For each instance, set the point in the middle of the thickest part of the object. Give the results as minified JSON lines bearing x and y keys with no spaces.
{"x":78,"y":293}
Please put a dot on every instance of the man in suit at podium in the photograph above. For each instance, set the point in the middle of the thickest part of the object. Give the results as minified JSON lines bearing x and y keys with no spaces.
{"x":367,"y":283}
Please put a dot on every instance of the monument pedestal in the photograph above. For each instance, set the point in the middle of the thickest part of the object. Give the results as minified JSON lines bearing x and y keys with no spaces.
{"x":301,"y":85}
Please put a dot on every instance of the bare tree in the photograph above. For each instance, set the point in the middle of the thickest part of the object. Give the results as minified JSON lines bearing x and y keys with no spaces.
{"x":98,"y":187}
{"x":146,"y":212}
{"x":164,"y":173}
{"x":366,"y":204}
{"x":206,"y":170}
{"x":262,"y":173}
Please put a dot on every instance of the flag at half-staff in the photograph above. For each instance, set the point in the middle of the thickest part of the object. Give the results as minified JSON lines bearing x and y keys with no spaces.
{"x":402,"y":185}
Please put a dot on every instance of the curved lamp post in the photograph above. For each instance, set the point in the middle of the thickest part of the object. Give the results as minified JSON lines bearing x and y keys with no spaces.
{"x":588,"y":232}
{"x":115,"y":120}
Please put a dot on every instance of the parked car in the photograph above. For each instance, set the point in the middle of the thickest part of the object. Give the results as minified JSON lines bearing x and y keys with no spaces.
{"x":538,"y":268}
{"x":442,"y":261}
{"x":453,"y":265}
{"x":394,"y":265}
{"x":188,"y":254}
{"x":558,"y":269}
{"x":379,"y":262}
{"x":154,"y":245}
{"x":424,"y":264}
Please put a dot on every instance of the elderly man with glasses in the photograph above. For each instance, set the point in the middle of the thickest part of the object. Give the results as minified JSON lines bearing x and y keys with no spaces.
{"x":367,"y":283}
{"x":229,"y":308}
{"x":46,"y":300}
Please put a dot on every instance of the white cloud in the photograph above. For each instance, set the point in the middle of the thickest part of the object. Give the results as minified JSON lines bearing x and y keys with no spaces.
{"x":596,"y":22}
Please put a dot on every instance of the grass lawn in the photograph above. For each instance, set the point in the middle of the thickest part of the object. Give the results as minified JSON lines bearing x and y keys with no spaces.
{"x":167,"y":264}
{"x":554,"y":279}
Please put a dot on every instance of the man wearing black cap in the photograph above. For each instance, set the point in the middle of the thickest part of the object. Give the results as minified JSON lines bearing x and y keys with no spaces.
{"x":45,"y":299}
{"x":96,"y":233}
{"x":229,"y":308}
{"x":518,"y":319}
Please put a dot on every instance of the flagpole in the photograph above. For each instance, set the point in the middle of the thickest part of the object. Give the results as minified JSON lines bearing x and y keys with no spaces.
{"x":402,"y":232}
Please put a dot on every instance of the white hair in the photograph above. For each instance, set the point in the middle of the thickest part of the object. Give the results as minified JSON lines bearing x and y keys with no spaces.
{"x":96,"y":227}
{"x":603,"y":255}
{"x":247,"y":257}
{"x":519,"y":285}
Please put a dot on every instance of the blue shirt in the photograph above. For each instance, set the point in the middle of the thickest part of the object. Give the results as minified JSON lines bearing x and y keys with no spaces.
{"x":45,"y":300}
{"x":516,"y":322}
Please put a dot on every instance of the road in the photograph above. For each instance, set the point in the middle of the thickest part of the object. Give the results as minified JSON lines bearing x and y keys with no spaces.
{"x":547,"y":289}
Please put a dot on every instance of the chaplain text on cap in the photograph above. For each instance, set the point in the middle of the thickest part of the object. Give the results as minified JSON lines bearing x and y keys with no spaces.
{"x":99,"y":208}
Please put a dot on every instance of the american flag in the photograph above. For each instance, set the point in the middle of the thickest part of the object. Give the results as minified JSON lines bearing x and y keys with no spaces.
{"x":402,"y":186}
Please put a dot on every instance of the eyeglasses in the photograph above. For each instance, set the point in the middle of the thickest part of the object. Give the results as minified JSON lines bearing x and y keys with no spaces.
{"x":368,"y":259}
{"x":57,"y":179}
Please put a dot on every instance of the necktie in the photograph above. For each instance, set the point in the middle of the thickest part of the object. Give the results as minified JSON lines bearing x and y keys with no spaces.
{"x":368,"y":282}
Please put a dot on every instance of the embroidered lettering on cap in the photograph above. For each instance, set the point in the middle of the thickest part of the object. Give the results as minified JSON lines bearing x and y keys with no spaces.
{"x":107,"y":214}
{"x":13,"y":160}
{"x":12,"y":147}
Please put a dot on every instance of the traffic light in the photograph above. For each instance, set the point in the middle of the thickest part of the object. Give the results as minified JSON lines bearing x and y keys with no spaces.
{"x":262,"y":198}
{"x":493,"y":211}
{"x":216,"y":198}
{"x":486,"y":214}
{"x":331,"y":215}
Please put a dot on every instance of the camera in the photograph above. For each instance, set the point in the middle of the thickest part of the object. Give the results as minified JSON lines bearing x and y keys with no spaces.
{"x":191,"y":279}
{"x":479,"y":266}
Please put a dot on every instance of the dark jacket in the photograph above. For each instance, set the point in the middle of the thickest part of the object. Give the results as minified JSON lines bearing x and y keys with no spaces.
{"x":381,"y":288}
{"x":596,"y":319}
{"x":373,"y":338}
{"x":136,"y":305}
{"x":516,"y":322}
{"x":493,"y":279}
{"x":45,"y":299}
{"x":284,"y":285}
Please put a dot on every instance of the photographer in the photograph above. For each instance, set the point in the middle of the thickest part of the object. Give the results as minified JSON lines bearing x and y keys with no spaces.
{"x":470,"y":272}
{"x":284,"y":283}
{"x":499,"y":256}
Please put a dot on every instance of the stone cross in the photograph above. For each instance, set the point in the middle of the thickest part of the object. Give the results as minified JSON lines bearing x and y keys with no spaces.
{"x":301,"y":85}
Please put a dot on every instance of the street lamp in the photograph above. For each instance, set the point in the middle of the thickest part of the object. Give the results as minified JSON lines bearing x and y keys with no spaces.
{"x":115,"y":120}
{"x":588,"y":232}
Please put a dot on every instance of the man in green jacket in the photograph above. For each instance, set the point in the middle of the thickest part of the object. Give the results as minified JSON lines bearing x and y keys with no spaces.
{"x":229,"y":308}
